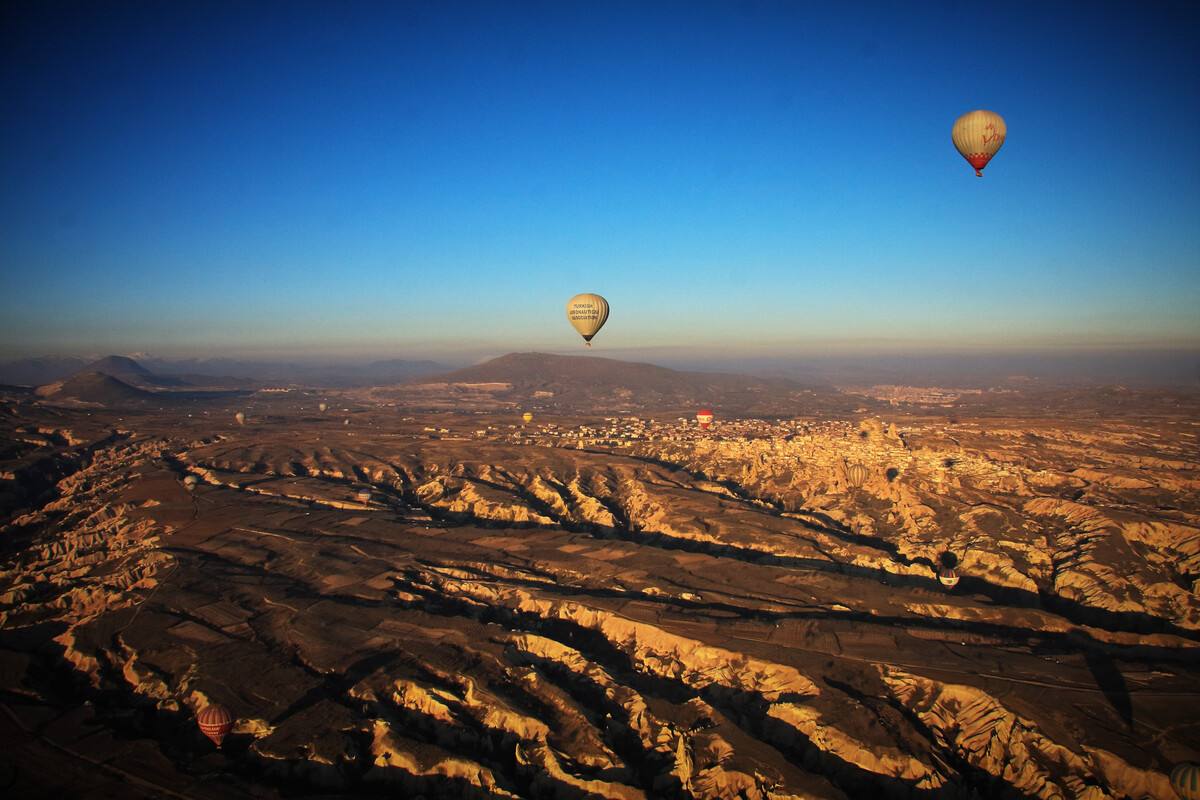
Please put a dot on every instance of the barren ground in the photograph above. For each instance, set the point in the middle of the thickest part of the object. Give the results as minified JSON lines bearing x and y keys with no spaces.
{"x":523,"y":612}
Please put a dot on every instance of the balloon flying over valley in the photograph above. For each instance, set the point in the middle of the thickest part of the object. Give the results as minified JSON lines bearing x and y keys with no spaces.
{"x":848,"y":474}
{"x":749,"y":183}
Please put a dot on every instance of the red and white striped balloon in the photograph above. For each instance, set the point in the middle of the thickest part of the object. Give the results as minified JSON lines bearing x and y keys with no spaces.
{"x":705,"y":417}
{"x":948,"y":577}
{"x":215,"y":722}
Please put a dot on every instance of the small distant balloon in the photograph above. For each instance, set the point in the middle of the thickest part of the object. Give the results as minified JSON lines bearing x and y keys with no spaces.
{"x":858,"y":474}
{"x":346,"y":421}
{"x":948,"y":577}
{"x":189,"y":481}
{"x":240,"y":417}
{"x":978,"y":135}
{"x":705,"y":417}
{"x":215,"y":722}
{"x":587,"y":314}
{"x":322,"y":406}
{"x":527,"y":417}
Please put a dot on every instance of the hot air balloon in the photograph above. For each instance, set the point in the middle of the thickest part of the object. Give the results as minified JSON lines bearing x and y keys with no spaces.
{"x":978,"y":135}
{"x":858,"y":474}
{"x":587,"y":314}
{"x":346,"y":421}
{"x":322,"y":406}
{"x":527,"y":417}
{"x":215,"y":721}
{"x":189,"y":482}
{"x":364,"y":495}
{"x":1185,"y":780}
{"x":705,"y":417}
{"x":240,"y":417}
{"x":948,"y":577}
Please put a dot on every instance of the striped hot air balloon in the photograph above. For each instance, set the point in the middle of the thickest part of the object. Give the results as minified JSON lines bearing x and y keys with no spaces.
{"x":858,"y":474}
{"x":948,"y":577}
{"x":1185,"y":780}
{"x":705,"y":417}
{"x":978,"y":135}
{"x":215,"y":722}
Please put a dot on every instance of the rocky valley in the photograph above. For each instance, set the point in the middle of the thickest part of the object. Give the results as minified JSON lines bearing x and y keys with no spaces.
{"x":396,"y":600}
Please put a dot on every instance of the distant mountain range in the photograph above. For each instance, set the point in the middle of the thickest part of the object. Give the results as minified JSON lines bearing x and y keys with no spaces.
{"x":532,"y":379}
{"x":1174,"y":368}
{"x":216,"y":373}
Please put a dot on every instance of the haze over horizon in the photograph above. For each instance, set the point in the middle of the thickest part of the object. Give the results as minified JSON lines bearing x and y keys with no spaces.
{"x":744,"y":182}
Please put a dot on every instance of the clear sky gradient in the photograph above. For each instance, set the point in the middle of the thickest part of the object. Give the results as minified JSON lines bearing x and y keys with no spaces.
{"x":423,"y":179}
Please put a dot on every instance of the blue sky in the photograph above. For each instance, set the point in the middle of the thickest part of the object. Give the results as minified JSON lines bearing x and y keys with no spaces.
{"x":433,"y":179}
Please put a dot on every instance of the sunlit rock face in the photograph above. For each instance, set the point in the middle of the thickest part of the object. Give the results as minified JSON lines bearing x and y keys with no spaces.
{"x":610,"y":610}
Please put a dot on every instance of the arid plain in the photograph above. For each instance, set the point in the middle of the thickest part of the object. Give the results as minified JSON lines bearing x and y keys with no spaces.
{"x":414,"y":593}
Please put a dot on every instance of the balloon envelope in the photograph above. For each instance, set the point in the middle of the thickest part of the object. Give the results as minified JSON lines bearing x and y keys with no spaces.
{"x":240,"y":417}
{"x":587,"y":314}
{"x":215,"y":722}
{"x":1185,"y":780}
{"x":858,"y":474}
{"x":322,"y":406}
{"x":705,"y":417}
{"x":527,"y":417}
{"x":948,"y":577}
{"x":978,"y":135}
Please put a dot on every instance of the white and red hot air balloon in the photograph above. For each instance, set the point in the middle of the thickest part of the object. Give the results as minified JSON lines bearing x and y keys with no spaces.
{"x":948,"y":577}
{"x":705,"y":417}
{"x":215,"y":722}
{"x":978,"y":135}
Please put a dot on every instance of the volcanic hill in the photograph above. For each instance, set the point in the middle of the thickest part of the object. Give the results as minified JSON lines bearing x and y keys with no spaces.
{"x":120,"y":382}
{"x":130,"y":372}
{"x":590,"y":383}
{"x":95,"y":388}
